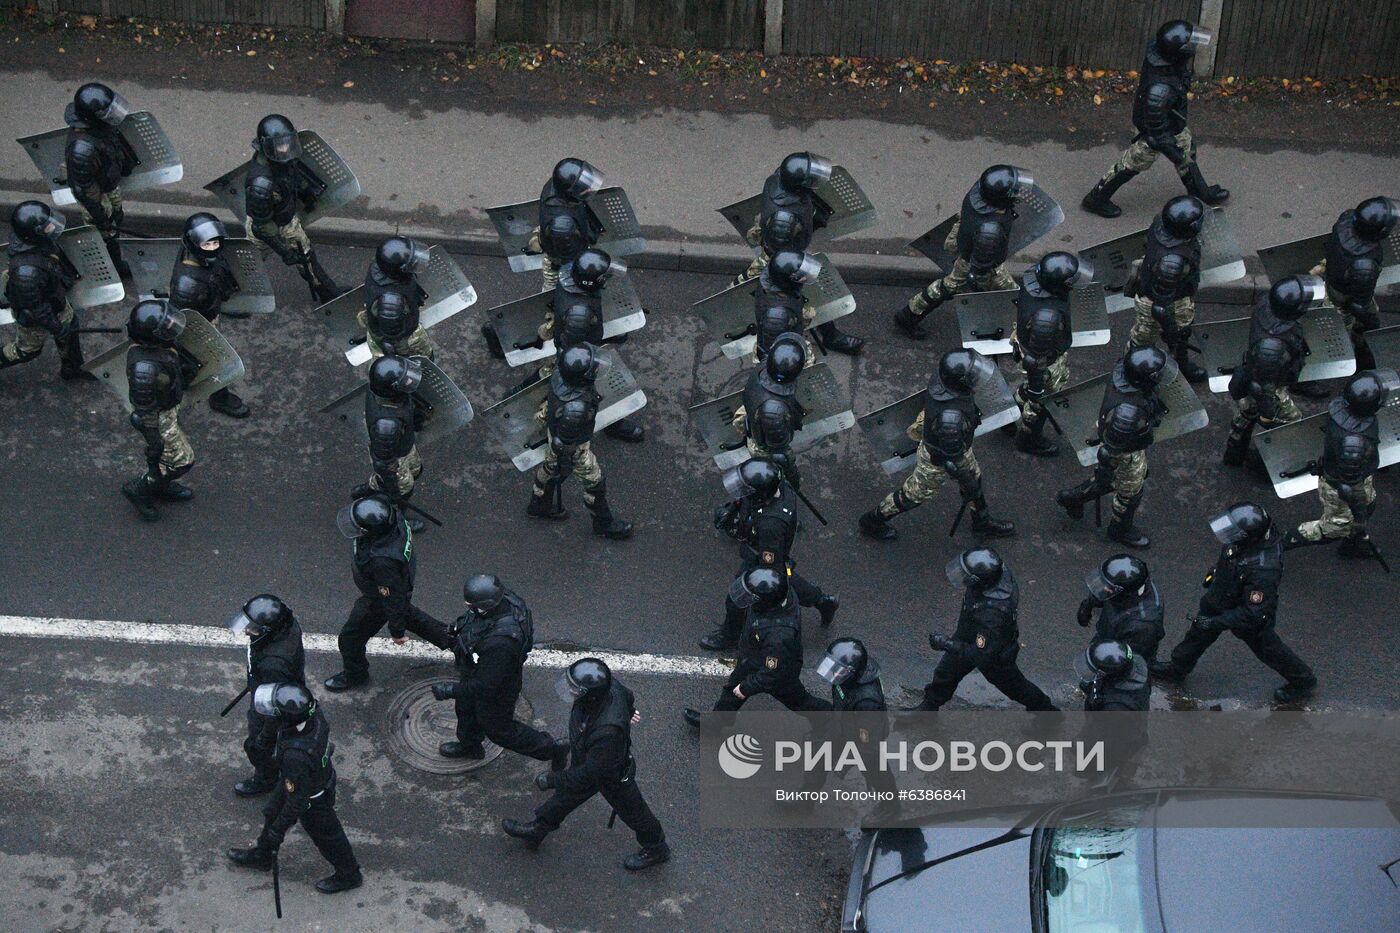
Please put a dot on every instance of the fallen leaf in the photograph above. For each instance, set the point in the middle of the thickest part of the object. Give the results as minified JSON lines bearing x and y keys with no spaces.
{"x":1098,"y":101}
{"x":762,"y":72}
{"x":348,"y":84}
{"x":87,"y":22}
{"x":252,"y":52}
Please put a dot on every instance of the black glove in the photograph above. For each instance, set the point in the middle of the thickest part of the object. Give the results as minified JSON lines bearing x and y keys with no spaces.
{"x":444,"y":690}
{"x":545,"y":780}
{"x":1210,"y":623}
{"x":1086,"y":612}
{"x":939,"y":642}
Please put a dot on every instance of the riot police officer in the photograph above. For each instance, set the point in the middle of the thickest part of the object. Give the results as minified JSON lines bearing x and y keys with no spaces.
{"x":1131,"y":410}
{"x":945,"y":430}
{"x":1159,"y":116}
{"x":384,"y":566}
{"x":157,"y":374}
{"x":1112,"y":676}
{"x":1129,"y":605}
{"x":490,"y":643}
{"x":568,"y":225}
{"x":1241,"y":597}
{"x":770,"y":646}
{"x":765,"y":523}
{"x":36,"y":291}
{"x":275,"y":656}
{"x":981,"y":239}
{"x":306,"y":794}
{"x":987,"y":637}
{"x":1352,"y":257}
{"x":602,"y":713}
{"x":770,"y":415}
{"x":779,"y":306}
{"x":202,"y":281}
{"x":789,"y":214}
{"x":1272,"y":362}
{"x":569,"y":413}
{"x":1041,"y":341}
{"x":1346,"y":469}
{"x":277,"y":191}
{"x":394,"y":299}
{"x":96,"y":160}
{"x":1164,"y":282}
{"x":854,"y":677}
{"x":392,"y":418}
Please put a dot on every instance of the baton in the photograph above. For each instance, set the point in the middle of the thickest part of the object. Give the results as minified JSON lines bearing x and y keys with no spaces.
{"x":1051,"y":418}
{"x":98,"y":330}
{"x":612,"y":819}
{"x":234,"y":702}
{"x":810,"y":507}
{"x":1374,"y":552}
{"x":957,"y":520}
{"x":413,"y":508}
{"x":1098,"y":511}
{"x":276,"y":886}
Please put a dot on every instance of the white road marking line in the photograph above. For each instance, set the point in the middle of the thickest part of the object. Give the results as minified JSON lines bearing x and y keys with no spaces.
{"x":208,"y":636}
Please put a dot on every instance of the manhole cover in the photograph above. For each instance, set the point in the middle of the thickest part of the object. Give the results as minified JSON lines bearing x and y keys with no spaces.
{"x":418,"y":724}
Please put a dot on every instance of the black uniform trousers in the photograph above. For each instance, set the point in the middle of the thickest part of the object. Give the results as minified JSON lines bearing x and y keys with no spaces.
{"x":792,"y":694}
{"x":261,"y":744}
{"x":1264,"y":642}
{"x":622,"y":794}
{"x":322,"y":825}
{"x":493,"y":717}
{"x":367,"y":617}
{"x":1005,"y":675}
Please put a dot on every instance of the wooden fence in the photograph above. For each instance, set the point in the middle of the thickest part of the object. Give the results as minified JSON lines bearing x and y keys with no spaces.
{"x":309,"y":14}
{"x":710,"y":24}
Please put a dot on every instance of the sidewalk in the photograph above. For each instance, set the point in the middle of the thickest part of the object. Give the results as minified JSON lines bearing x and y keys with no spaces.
{"x":435,"y":172}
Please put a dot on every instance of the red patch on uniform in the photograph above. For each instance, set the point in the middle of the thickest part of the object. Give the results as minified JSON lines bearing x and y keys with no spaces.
{"x":1256,"y":597}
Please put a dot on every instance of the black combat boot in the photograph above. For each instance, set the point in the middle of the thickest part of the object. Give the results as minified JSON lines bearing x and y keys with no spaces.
{"x":907,"y":322}
{"x":255,"y":786}
{"x":836,"y":341}
{"x":983,"y":525}
{"x":692,"y":716}
{"x":545,"y":503}
{"x":1295,"y":691}
{"x":114,"y":249}
{"x":473,"y":751}
{"x":827,"y":606}
{"x":1356,"y":545}
{"x":141,"y":493}
{"x":256,"y":857}
{"x":647,"y":856}
{"x":227,"y":402}
{"x":1168,"y":671}
{"x":493,"y":341}
{"x":1122,"y":529}
{"x":1196,"y":185}
{"x":605,"y":523}
{"x":1181,"y":351}
{"x":71,"y":355}
{"x":559,"y":756}
{"x":532,"y":832}
{"x":1099,"y":200}
{"x":1072,"y":499}
{"x":343,"y":681}
{"x":1237,"y":447}
{"x":338,"y":882}
{"x":1293,"y":539}
{"x":874,"y":525}
{"x":323,"y":287}
{"x":1031,"y":439}
{"x":626,"y":429}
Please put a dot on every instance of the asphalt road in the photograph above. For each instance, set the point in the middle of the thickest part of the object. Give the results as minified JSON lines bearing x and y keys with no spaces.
{"x":116,"y":758}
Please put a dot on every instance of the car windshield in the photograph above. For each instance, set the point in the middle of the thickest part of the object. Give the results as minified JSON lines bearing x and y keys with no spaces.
{"x":1091,"y":870}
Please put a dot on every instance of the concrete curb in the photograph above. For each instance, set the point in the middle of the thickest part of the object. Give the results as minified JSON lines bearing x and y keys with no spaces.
{"x":166,"y":219}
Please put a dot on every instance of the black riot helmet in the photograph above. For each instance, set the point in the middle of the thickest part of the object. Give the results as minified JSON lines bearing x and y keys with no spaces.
{"x":373,"y":516}
{"x":963,"y":370}
{"x":575,"y":323}
{"x":1125,"y":426}
{"x":792,"y":269}
{"x":1001,"y":185}
{"x":561,"y":238}
{"x":261,"y":617}
{"x":204,"y":234}
{"x":844,"y":662}
{"x":761,"y":588}
{"x":586,"y":678}
{"x":575,"y":178}
{"x":1106,"y":660}
{"x":292,"y":704}
{"x":1177,"y":40}
{"x":277,"y":139}
{"x":579,"y":366}
{"x":401,"y":258}
{"x":1183,"y":216}
{"x":1270,"y":361}
{"x":389,"y":314}
{"x":1119,"y":575}
{"x":784,"y":230}
{"x":97,"y":104}
{"x":1241,"y":523}
{"x":803,"y":170}
{"x":1146,"y":368}
{"x":36,"y":223}
{"x":483,"y":592}
{"x":592,"y":269}
{"x":1290,"y":297}
{"x":1045,"y":338}
{"x":1376,"y":217}
{"x":753,"y":478}
{"x":393,"y":376}
{"x":977,"y":568}
{"x":786,"y":358}
{"x":1367,"y":391}
{"x":1357,"y":458}
{"x":1057,"y":271}
{"x":155,"y":322}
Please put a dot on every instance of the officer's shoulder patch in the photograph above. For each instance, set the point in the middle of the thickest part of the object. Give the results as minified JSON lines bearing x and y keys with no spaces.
{"x":1256,"y":597}
{"x":771,"y":663}
{"x":981,"y":640}
{"x":291,"y":786}
{"x":767,"y":557}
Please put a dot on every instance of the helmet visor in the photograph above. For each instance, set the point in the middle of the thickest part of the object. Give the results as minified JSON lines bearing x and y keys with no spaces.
{"x":418,"y":260}
{"x":262,"y":700}
{"x":171,"y":326}
{"x":53,"y":229}
{"x":833,"y":671}
{"x":412,"y":376}
{"x":117,"y":111}
{"x":808,"y":270}
{"x":1025,"y":182}
{"x":958,"y":575}
{"x":818,"y":170}
{"x":1226,"y":530}
{"x":1200,"y":37}
{"x":734,"y":483}
{"x":983,"y":368}
{"x":207,"y":232}
{"x":345,"y":521}
{"x":240,"y":624}
{"x":1314,"y":288}
{"x":739,"y":593}
{"x":1085,"y":670}
{"x":589,"y":180}
{"x":1099,"y":586}
{"x":1389,"y":379}
{"x":567,"y":690}
{"x":1084,"y":276}
{"x":281,"y":147}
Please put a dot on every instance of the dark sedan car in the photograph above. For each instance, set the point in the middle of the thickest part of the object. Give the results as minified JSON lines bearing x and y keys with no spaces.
{"x":1126,"y":864}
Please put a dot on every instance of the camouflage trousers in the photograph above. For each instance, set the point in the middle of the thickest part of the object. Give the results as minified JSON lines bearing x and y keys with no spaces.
{"x":1337,"y":520}
{"x":927,"y":479}
{"x":111,"y":204}
{"x":406,"y":470}
{"x":417,"y":344}
{"x":1357,"y":322}
{"x":548,"y":271}
{"x":176,"y":456}
{"x":291,"y":233}
{"x":583,"y":464}
{"x":1279,"y":408}
{"x":1056,"y":378}
{"x":1125,"y":475}
{"x":958,"y":279}
{"x":1146,"y":331}
{"x":1139,"y":156}
{"x":29,"y":341}
{"x":755,"y":239}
